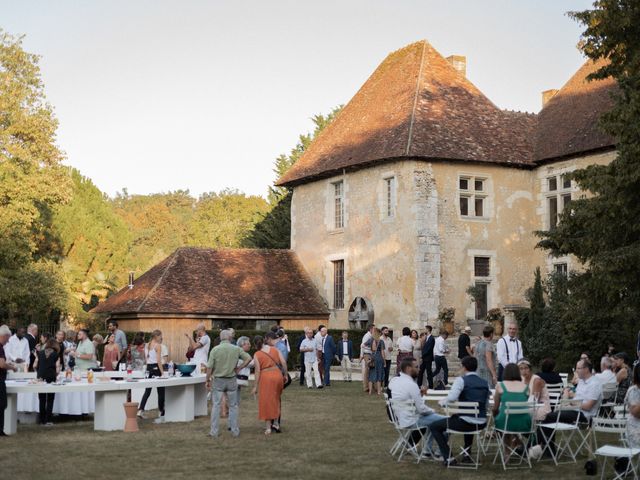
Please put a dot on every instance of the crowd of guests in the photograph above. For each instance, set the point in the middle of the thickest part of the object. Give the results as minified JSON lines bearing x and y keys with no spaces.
{"x":502,"y":368}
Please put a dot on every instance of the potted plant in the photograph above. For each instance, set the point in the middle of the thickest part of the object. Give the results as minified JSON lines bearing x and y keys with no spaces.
{"x":446,"y":317}
{"x":496,"y":318}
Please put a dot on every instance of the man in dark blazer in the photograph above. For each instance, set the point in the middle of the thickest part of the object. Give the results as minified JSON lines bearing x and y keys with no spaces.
{"x":328,"y":352}
{"x":32,"y":338}
{"x":427,"y":358}
{"x":345,"y":355}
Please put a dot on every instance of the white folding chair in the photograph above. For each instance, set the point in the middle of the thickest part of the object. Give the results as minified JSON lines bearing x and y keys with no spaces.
{"x":555,"y":388}
{"x":565,"y":379}
{"x":615,"y":426}
{"x":409,"y":438}
{"x":609,"y":391}
{"x":554,"y":399}
{"x":562,"y":433}
{"x":465,"y":409}
{"x":519,"y":454}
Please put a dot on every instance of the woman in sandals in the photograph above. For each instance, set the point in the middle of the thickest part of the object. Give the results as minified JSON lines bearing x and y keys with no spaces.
{"x":270,"y":372}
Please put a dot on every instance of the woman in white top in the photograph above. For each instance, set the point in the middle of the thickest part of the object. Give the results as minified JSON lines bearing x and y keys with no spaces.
{"x":537,"y":389}
{"x":155,"y":369}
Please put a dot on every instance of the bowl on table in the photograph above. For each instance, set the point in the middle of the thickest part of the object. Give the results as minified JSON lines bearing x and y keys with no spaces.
{"x":186,"y":369}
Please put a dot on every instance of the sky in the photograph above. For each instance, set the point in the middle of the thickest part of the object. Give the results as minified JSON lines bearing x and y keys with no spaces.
{"x":159,"y":95}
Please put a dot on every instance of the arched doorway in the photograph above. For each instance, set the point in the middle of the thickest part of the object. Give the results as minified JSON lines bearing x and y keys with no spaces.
{"x":361,"y":313}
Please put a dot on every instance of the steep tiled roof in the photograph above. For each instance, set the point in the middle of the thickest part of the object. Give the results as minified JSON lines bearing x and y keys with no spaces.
{"x":568,"y":123}
{"x":222,"y":282}
{"x":417,"y":105}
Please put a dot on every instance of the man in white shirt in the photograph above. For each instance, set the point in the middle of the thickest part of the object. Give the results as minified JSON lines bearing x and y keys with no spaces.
{"x":308,"y":349}
{"x":365,"y":356}
{"x":606,"y":374}
{"x":408,"y":404}
{"x":509,"y":349}
{"x":17,"y":349}
{"x":200,"y":347}
{"x":439,"y":354}
{"x":405,"y":347}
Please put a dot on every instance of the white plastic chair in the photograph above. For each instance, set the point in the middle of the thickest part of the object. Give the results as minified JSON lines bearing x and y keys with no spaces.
{"x":615,"y":426}
{"x":465,"y":409}
{"x":506,"y":452}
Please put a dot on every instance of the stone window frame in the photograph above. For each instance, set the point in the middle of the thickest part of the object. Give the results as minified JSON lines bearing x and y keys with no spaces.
{"x":330,"y":205}
{"x":491,"y":280}
{"x":557,"y":189}
{"x":388,"y":200}
{"x":472,"y":195}
{"x":329,"y":279}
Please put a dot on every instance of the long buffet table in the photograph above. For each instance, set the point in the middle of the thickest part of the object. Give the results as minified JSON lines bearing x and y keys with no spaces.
{"x":185,"y":398}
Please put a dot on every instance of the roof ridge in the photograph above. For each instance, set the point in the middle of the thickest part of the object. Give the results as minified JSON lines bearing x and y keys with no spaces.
{"x":415,"y":97}
{"x":152,"y":290}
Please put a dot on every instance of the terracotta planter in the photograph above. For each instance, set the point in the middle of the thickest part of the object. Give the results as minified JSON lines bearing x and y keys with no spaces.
{"x":131,"y":410}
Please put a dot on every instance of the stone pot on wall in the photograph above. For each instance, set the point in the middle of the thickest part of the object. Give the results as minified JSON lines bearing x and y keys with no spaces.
{"x":498,"y":327}
{"x":448,"y":326}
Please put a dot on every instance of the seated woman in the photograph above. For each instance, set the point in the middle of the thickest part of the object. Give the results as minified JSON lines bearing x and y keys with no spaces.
{"x":511,"y":389}
{"x":623,"y":375}
{"x":538,"y":392}
{"x":632,"y":405}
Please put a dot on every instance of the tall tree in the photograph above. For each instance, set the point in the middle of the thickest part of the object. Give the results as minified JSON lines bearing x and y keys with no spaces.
{"x":602,"y":229}
{"x":224,"y":219}
{"x":274,"y":229}
{"x":94,"y":243}
{"x":32,"y":182}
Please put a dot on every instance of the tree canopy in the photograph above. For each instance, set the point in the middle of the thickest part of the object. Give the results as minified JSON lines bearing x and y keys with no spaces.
{"x":601,"y":228}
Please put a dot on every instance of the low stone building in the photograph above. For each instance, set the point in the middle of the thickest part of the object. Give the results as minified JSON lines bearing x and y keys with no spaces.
{"x":243,"y":289}
{"x":422,"y":187}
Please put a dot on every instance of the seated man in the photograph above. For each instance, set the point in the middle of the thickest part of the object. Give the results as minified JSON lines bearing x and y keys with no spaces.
{"x":467,"y":388}
{"x":588,"y":392}
{"x":405,"y":389}
{"x":606,"y":374}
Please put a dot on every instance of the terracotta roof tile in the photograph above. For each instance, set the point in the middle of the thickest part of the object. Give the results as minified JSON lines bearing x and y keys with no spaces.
{"x":237,"y":282}
{"x":568,"y":123}
{"x":417,"y":105}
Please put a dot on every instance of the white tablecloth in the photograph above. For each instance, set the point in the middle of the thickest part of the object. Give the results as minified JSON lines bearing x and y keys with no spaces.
{"x":71,"y":403}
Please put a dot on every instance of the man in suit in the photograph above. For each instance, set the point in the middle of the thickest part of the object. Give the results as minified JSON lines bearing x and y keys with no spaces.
{"x":32,"y":338}
{"x":328,"y":352}
{"x":427,"y":358}
{"x":345,"y":355}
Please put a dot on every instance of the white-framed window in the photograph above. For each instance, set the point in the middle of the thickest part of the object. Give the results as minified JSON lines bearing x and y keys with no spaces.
{"x":472,"y":194}
{"x":338,"y":205}
{"x":558,"y":198}
{"x":389,"y":197}
{"x":338,"y":284}
{"x":561,"y":269}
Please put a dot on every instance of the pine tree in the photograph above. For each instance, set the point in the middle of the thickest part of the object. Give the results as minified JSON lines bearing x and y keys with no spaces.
{"x":602,"y":229}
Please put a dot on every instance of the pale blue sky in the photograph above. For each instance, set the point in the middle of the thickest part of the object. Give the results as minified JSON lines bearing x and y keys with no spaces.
{"x":161,"y":95}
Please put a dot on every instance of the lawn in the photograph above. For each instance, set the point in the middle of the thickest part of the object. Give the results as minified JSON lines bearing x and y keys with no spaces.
{"x":334,"y":433}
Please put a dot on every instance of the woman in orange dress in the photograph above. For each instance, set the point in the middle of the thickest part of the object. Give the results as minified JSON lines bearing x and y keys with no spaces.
{"x":111,"y":354}
{"x":269,"y":380}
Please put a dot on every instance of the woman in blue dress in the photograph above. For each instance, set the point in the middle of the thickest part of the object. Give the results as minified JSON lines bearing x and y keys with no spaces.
{"x":376,"y":368}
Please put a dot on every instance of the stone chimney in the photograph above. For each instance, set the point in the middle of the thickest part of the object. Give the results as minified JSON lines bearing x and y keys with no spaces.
{"x":548,"y":95}
{"x":459,"y":62}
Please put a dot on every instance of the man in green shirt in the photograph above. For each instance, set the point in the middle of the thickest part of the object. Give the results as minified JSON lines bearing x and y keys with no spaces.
{"x":225,"y":361}
{"x":85,"y":352}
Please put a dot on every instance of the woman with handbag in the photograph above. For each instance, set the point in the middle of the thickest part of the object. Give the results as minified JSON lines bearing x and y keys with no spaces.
{"x":376,"y":365}
{"x":270,"y":377}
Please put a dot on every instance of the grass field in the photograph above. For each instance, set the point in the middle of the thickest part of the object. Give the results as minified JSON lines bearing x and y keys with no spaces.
{"x":336,"y":433}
